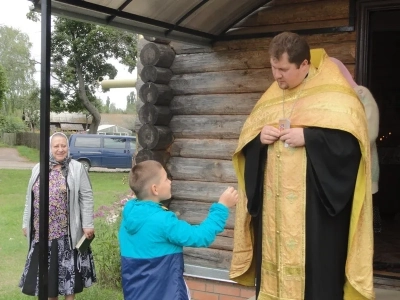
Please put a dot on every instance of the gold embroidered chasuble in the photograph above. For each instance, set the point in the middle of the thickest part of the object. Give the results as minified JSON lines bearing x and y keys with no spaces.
{"x":326,"y":101}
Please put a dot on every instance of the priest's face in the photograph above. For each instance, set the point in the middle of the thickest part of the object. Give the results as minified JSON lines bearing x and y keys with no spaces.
{"x":288,"y":75}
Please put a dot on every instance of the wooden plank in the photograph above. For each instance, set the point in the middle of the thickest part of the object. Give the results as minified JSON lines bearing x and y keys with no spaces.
{"x":209,"y":258}
{"x":298,"y":13}
{"x":206,"y":126}
{"x":290,"y":26}
{"x":246,"y":59}
{"x":222,"y":243}
{"x":204,"y":148}
{"x":216,"y":104}
{"x":314,"y":40}
{"x":238,"y":81}
{"x":198,"y":190}
{"x":195,"y":212}
{"x":199,"y":169}
{"x":214,"y":61}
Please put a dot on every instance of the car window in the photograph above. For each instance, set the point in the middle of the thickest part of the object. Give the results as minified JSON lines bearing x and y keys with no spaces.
{"x":86,"y":142}
{"x":115,"y":143}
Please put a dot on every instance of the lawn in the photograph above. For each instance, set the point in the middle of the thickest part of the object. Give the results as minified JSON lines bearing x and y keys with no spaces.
{"x":107,"y":188}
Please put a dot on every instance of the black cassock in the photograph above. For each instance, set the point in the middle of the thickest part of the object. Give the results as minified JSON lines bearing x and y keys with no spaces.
{"x":333,"y":158}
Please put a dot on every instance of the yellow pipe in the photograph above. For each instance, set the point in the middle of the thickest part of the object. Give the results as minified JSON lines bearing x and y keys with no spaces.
{"x":118,"y":83}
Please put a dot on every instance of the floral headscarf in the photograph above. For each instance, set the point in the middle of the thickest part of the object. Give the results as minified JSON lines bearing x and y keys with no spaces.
{"x":65,"y":162}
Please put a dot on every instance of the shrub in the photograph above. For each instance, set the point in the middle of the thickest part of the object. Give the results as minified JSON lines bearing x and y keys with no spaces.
{"x":106,"y":247}
{"x":11,"y":124}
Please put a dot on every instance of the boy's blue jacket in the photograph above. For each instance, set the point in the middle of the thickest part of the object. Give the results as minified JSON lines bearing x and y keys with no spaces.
{"x":151,"y":240}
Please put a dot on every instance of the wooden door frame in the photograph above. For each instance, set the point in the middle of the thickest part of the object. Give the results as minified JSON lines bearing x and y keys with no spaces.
{"x":364,"y":10}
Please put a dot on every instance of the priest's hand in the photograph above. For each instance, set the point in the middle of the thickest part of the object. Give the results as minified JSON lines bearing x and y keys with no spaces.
{"x":269,"y":135}
{"x":294,"y":137}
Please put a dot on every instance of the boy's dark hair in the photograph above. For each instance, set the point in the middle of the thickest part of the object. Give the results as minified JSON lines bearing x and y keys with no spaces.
{"x":293,"y":44}
{"x":142,"y":175}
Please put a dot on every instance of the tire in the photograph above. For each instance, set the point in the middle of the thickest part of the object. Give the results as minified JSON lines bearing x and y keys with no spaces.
{"x":85,"y":164}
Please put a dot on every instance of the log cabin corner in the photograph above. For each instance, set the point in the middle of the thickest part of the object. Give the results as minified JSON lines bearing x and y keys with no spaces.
{"x":204,"y":64}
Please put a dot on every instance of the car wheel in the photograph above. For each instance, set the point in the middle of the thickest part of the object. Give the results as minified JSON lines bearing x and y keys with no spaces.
{"x":85,"y":164}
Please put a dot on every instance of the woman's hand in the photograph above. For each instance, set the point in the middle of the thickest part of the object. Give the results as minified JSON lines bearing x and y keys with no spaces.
{"x":89,"y":232}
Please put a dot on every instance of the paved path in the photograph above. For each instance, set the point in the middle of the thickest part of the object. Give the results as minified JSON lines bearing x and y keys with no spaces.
{"x":10,"y":159}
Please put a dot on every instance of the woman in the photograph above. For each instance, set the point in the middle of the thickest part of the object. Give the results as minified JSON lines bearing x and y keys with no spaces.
{"x":70,"y":216}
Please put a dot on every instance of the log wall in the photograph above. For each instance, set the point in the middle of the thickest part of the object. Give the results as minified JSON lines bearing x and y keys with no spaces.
{"x":214,"y":90}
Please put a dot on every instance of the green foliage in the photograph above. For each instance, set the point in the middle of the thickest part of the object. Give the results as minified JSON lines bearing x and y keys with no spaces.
{"x":106,"y":249}
{"x":29,"y":153}
{"x":11,"y":124}
{"x":19,"y":68}
{"x":80,"y":55}
{"x":31,"y":110}
{"x":131,"y":103}
{"x":3,"y":86}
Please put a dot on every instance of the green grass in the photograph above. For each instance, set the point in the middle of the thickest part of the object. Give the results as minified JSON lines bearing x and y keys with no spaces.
{"x":107,"y":188}
{"x":29,"y":153}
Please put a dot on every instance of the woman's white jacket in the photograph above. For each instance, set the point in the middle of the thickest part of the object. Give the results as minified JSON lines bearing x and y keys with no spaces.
{"x":80,"y":198}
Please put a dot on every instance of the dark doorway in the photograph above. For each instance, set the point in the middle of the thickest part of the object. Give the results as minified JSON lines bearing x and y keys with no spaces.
{"x":383,"y":79}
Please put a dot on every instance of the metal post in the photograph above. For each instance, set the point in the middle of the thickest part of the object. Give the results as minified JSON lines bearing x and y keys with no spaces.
{"x":44,"y":148}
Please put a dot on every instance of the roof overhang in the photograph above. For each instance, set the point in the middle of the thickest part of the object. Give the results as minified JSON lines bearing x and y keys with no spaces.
{"x":191,"y":21}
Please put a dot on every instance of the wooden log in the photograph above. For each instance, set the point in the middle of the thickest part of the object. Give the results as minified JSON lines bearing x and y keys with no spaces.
{"x":161,"y":156}
{"x":217,"y":104}
{"x":238,"y":81}
{"x":209,"y":258}
{"x":206,"y":126}
{"x":157,"y":40}
{"x":195,"y":212}
{"x":220,"y":61}
{"x":158,"y":55}
{"x":155,"y":137}
{"x":154,"y":115}
{"x":198,"y":169}
{"x":198,"y":190}
{"x":290,"y":27}
{"x":298,"y":13}
{"x":204,"y":148}
{"x":153,"y":93}
{"x":246,"y":59}
{"x":315,"y":41}
{"x":183,"y":48}
{"x":156,"y":74}
{"x":222,"y":243}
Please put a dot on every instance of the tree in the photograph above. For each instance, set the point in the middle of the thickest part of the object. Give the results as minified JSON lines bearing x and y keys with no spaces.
{"x":80,"y":55}
{"x":19,"y":67}
{"x":31,"y":112}
{"x":3,"y":86}
{"x":131,"y":103}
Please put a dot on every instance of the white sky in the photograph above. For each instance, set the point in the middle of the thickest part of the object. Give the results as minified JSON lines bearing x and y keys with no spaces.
{"x":13,"y":14}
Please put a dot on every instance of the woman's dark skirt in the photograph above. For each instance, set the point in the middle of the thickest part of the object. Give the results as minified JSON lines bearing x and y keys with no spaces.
{"x":69,"y":272}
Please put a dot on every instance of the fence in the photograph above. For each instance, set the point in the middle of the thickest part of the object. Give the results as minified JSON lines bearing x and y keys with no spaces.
{"x":28,"y":139}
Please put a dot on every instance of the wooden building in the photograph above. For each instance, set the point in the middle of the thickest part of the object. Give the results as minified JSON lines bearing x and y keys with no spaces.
{"x":204,"y":64}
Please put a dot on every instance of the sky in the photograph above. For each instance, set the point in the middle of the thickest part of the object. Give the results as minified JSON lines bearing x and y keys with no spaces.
{"x":13,"y":14}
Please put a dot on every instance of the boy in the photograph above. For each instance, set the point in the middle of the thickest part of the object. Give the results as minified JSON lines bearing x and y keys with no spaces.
{"x":151,"y":237}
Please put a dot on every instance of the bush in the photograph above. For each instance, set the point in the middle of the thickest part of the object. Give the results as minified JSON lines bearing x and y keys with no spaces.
{"x":106,"y":247}
{"x":11,"y":124}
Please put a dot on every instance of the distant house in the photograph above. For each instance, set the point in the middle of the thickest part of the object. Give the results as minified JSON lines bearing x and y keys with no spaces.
{"x":123,"y":120}
{"x":66,"y":121}
{"x":113,"y":130}
{"x":79,"y":122}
